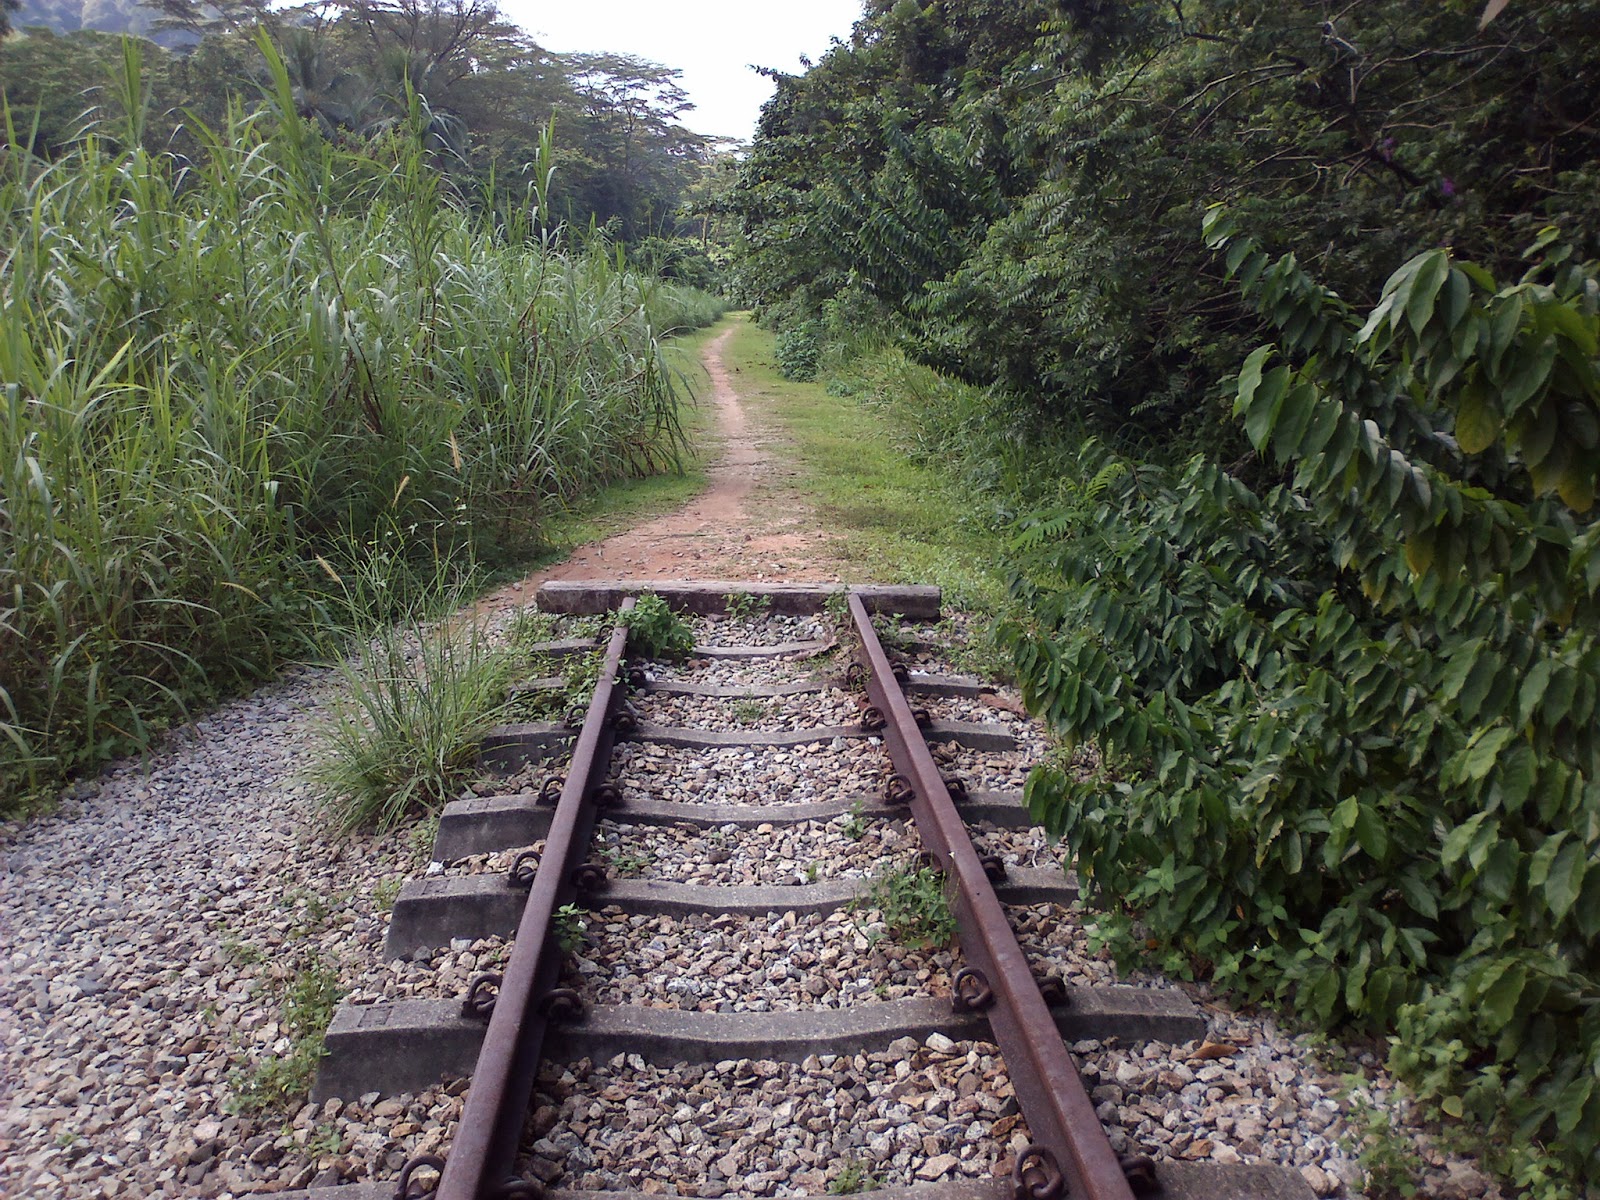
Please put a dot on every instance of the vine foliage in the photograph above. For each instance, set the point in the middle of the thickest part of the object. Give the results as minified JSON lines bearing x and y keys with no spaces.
{"x":1350,"y":758}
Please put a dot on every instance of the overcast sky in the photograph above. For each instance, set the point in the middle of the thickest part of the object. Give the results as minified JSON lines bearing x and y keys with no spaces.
{"x":711,"y":41}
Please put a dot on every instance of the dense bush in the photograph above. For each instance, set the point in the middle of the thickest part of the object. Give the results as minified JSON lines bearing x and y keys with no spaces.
{"x":1018,"y":182}
{"x":798,"y":351}
{"x":1350,"y":758}
{"x":218,"y":373}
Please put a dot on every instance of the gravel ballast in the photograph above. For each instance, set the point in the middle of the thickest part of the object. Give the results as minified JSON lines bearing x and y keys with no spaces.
{"x":772,"y":853}
{"x":782,"y":962}
{"x":801,"y":774}
{"x":824,"y":708}
{"x":913,"y":1112}
{"x":156,"y":928}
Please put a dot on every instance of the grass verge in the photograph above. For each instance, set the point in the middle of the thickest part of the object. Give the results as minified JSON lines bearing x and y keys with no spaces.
{"x":898,"y":519}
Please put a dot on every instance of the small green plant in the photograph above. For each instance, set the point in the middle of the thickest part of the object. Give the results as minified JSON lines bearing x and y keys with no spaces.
{"x":325,"y":1141}
{"x":913,"y":905}
{"x":65,"y":1139}
{"x":421,"y":838}
{"x":244,"y":954}
{"x":1389,"y":1159}
{"x":748,"y":712}
{"x":530,"y":628}
{"x":743,"y":606}
{"x":625,"y":862}
{"x":836,"y":608}
{"x":855,"y":825}
{"x":799,"y":350}
{"x":385,"y":893}
{"x":582,"y":673}
{"x":655,"y":631}
{"x":852,"y":1178}
{"x":569,"y":927}
{"x":278,"y":1082}
{"x":813,"y":871}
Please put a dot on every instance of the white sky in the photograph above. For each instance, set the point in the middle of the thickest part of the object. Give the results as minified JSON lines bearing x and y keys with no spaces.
{"x":711,"y":41}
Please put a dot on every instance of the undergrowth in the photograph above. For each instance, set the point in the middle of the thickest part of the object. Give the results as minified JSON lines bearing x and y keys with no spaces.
{"x":214,"y":371}
{"x":655,"y":631}
{"x":419,"y":695}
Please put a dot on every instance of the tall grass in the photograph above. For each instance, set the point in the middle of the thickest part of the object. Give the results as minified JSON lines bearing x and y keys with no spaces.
{"x":214,"y":371}
{"x":419,"y":695}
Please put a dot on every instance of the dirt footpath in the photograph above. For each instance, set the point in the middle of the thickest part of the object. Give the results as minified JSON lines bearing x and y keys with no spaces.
{"x":750,"y":523}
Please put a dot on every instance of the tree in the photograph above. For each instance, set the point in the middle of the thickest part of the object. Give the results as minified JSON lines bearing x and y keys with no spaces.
{"x":633,"y":157}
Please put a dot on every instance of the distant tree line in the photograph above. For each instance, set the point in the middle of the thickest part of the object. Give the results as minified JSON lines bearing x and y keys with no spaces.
{"x":625,"y":158}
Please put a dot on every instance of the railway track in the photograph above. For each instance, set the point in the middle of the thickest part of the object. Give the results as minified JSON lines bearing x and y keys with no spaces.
{"x":994,"y":1014}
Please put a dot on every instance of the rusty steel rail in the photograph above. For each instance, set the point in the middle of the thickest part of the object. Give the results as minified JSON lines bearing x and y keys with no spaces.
{"x":483,"y":1156}
{"x":1069,"y":1146}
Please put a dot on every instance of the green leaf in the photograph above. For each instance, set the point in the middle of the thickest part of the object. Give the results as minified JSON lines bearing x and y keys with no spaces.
{"x":1431,"y":273}
{"x":1533,"y":687}
{"x":1519,"y":769}
{"x":1264,"y":404}
{"x":1566,"y":879}
{"x":1344,"y":814}
{"x":1250,"y":378}
{"x":1418,"y":894}
{"x":1543,"y":857}
{"x":1299,"y":405}
{"x":1477,"y":423}
{"x":1460,"y":839}
{"x":1484,"y":750}
{"x":1457,"y":670}
{"x":1576,"y":484}
{"x":1419,"y":552}
{"x":1371,"y":835}
{"x":1569,"y":1109}
{"x":1499,"y":1001}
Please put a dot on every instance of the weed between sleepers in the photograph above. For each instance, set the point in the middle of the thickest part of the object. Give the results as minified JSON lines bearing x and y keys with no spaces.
{"x":912,"y":901}
{"x":655,"y":631}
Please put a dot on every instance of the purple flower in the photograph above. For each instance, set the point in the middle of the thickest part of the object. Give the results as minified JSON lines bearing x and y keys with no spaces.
{"x":1447,"y":185}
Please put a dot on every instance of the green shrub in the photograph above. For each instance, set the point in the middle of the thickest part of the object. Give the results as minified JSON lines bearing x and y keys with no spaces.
{"x":913,"y":905}
{"x":1350,"y":755}
{"x":655,"y":631}
{"x":799,"y":351}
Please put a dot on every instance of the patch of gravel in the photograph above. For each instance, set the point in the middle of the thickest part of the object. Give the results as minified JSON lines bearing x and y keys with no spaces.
{"x":986,"y":770}
{"x":981,"y":709}
{"x":780,"y":962}
{"x":1054,"y":939}
{"x":809,"y":710}
{"x":1254,"y":1093}
{"x":747,"y":672}
{"x":497,"y":863}
{"x":800,"y":852}
{"x":1030,"y":847}
{"x":736,"y":775}
{"x":329,"y":1144}
{"x":440,"y":973}
{"x":524,"y":781}
{"x":911,"y":1113}
{"x":151,"y":929}
{"x":763,"y":630}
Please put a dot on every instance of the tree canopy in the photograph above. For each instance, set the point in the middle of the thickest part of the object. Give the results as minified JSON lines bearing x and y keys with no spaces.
{"x":625,"y":159}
